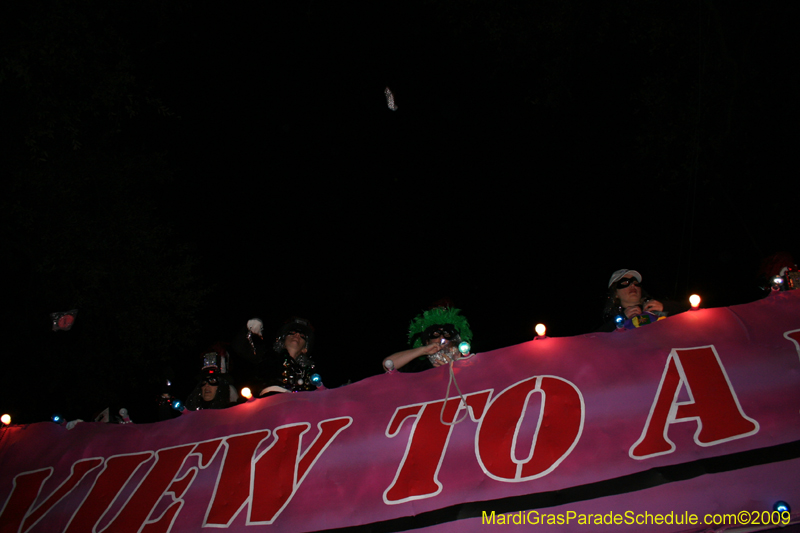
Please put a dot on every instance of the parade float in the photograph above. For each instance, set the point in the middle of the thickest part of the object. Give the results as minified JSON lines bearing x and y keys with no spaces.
{"x":689,"y":424}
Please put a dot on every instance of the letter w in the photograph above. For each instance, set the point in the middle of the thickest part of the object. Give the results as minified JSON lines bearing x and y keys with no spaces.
{"x":275,"y":475}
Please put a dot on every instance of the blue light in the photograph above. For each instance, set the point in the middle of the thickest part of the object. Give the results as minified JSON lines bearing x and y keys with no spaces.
{"x":619,"y":319}
{"x":178,"y":405}
{"x":464,"y":347}
{"x":781,"y":506}
{"x":57,"y":419}
{"x":316,"y":379}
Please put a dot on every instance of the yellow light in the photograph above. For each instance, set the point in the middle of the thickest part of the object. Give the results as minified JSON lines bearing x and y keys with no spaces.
{"x":246,"y":393}
{"x":5,"y":419}
{"x":540,"y":329}
{"x":694,"y":300}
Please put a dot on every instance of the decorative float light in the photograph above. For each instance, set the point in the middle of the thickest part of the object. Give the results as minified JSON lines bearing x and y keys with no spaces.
{"x":58,"y":419}
{"x":540,"y":331}
{"x":464,"y":347}
{"x":316,"y":379}
{"x":781,"y":506}
{"x":6,"y":419}
{"x":694,"y":300}
{"x":388,"y":365}
{"x":247,"y":393}
{"x":178,"y":405}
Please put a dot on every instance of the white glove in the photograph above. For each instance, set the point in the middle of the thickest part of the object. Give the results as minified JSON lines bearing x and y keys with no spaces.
{"x":256,"y":326}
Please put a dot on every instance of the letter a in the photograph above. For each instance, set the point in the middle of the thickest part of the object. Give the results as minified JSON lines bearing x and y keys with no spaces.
{"x":713,"y":405}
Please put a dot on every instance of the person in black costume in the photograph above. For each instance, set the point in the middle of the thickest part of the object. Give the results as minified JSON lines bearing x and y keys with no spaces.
{"x":629,"y":306}
{"x":213,"y":389}
{"x":283,"y":366}
{"x":211,"y":392}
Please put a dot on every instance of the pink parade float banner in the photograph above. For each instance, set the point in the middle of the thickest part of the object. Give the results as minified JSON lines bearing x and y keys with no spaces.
{"x":692,"y":419}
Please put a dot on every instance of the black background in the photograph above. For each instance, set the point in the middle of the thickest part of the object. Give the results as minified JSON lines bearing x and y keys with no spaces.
{"x":176,"y":170}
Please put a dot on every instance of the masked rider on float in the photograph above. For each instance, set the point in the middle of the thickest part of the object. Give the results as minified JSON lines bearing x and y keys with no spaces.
{"x":285,"y":365}
{"x":437,"y":336}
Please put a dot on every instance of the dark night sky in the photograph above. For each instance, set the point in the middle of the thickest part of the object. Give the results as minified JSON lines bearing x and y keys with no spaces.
{"x":536,"y":149}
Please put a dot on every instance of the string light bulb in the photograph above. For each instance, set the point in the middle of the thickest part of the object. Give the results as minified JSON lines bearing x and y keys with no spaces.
{"x":464,"y":347}
{"x":781,"y":506}
{"x":694,"y":300}
{"x":247,"y":393}
{"x":6,"y":419}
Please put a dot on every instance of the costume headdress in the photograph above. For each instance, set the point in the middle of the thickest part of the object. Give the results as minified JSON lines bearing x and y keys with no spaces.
{"x":438,"y":316}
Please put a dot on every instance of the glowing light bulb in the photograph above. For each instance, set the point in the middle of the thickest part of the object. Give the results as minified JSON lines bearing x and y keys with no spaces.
{"x":178,"y":405}
{"x":540,"y":329}
{"x":464,"y":347}
{"x":316,"y":379}
{"x":694,"y":300}
{"x":781,"y":506}
{"x":57,"y":419}
{"x":388,"y":365}
{"x":5,"y":419}
{"x":247,"y":393}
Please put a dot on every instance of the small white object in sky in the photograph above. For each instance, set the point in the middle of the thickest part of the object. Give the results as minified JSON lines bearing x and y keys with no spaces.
{"x":390,"y":99}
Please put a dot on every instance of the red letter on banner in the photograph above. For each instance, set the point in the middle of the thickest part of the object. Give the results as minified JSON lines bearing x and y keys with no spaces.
{"x":281,"y":469}
{"x":794,"y":336}
{"x":276,"y":473}
{"x":111,"y":480}
{"x":233,"y":485}
{"x":417,"y":474}
{"x":558,"y":429}
{"x":714,"y":405}
{"x":149,"y":492}
{"x":27,"y":487}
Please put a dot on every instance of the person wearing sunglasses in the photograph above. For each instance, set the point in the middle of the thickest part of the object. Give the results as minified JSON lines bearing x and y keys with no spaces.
{"x":213,"y":388}
{"x":434,"y":337}
{"x":628,"y":306}
{"x":211,"y":392}
{"x":282,"y":367}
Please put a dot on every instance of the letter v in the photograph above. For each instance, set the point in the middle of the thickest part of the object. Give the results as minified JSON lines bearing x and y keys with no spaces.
{"x":27,"y":487}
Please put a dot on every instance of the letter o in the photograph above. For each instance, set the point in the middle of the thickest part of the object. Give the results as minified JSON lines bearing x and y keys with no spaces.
{"x":558,"y":430}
